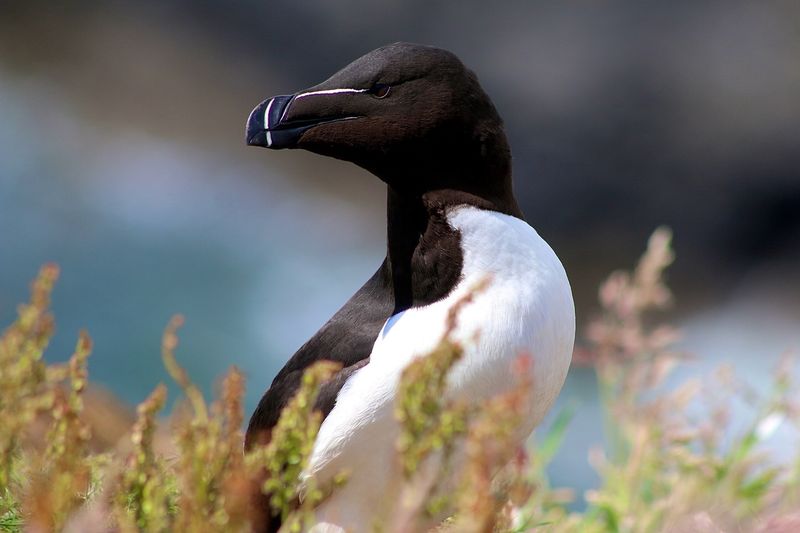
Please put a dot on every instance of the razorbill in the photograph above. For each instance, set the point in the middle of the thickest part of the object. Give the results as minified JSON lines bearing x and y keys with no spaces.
{"x":418,"y":119}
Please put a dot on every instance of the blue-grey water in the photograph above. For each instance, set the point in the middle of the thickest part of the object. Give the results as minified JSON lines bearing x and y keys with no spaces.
{"x":144,"y":227}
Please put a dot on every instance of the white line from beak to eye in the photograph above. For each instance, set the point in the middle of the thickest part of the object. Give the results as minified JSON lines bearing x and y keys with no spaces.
{"x":312,"y":93}
{"x":330,"y":91}
{"x":266,"y":122}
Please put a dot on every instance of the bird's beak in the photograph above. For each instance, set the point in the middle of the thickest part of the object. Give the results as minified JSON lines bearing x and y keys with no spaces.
{"x":280,"y":121}
{"x":264,"y":124}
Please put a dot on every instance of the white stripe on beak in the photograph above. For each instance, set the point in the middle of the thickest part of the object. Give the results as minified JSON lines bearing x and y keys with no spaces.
{"x":266,"y":114}
{"x":266,"y":122}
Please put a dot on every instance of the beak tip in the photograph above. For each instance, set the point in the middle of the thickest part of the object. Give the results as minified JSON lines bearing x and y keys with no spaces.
{"x":255,"y":129}
{"x":262,"y":121}
{"x":257,"y":138}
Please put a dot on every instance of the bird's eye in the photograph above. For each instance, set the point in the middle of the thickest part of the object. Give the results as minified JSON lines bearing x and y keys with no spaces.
{"x":380,"y":90}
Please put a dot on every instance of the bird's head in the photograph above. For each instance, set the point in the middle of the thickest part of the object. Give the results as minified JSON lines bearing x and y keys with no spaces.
{"x":413,"y":115}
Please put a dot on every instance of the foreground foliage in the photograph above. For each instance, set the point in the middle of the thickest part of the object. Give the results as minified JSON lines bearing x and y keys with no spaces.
{"x":673,"y":460}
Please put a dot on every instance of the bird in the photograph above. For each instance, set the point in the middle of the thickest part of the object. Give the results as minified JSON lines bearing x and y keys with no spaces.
{"x":419,"y":120}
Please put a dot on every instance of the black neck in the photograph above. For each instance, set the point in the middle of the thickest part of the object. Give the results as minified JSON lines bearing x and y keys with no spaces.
{"x":407,"y":220}
{"x":470,"y":167}
{"x":424,"y":256}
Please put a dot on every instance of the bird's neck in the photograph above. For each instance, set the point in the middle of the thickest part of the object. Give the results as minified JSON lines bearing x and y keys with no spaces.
{"x":424,"y":256}
{"x":407,"y":220}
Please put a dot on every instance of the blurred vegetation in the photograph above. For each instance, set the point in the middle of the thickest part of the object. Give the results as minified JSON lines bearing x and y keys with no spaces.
{"x":674,"y":460}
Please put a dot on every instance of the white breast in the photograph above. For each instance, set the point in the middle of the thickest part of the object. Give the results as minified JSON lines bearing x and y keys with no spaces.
{"x":527,"y":308}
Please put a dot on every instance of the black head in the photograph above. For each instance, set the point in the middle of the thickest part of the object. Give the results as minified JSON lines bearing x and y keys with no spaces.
{"x":413,"y":115}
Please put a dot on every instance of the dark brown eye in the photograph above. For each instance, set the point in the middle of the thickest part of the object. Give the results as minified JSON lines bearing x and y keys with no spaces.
{"x":380,"y":90}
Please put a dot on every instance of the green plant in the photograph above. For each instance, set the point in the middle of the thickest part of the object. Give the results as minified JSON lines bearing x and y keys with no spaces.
{"x":673,"y":461}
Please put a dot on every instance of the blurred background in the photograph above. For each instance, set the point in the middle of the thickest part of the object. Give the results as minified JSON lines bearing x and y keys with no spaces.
{"x":122,"y":159}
